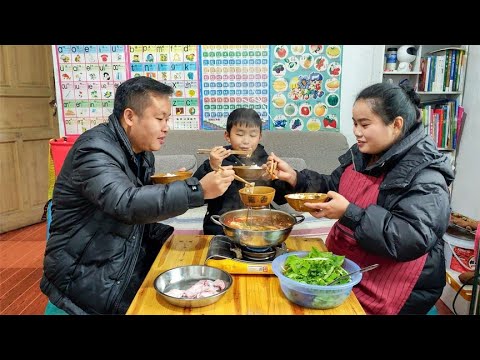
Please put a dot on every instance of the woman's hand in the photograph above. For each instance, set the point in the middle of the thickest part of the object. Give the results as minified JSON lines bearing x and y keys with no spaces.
{"x":217,"y":155}
{"x":333,"y":209}
{"x":281,"y":171}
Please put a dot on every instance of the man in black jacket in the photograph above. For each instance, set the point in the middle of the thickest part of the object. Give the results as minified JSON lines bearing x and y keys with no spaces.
{"x":104,"y":234}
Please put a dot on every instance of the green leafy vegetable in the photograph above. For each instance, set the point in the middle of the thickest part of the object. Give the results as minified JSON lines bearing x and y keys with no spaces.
{"x":317,"y":268}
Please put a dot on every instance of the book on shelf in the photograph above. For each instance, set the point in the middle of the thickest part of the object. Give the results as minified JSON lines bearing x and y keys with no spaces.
{"x":443,"y":70}
{"x":439,"y":119}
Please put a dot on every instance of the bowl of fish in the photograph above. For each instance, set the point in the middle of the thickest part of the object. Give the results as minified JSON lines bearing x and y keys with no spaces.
{"x":166,"y":178}
{"x":193,"y":285}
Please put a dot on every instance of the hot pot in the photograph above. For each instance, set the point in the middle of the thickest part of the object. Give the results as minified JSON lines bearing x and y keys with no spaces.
{"x":264,"y":228}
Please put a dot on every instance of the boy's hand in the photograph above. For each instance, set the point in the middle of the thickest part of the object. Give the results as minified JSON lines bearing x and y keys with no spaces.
{"x":217,"y":155}
{"x":282,"y":170}
{"x":215,"y":183}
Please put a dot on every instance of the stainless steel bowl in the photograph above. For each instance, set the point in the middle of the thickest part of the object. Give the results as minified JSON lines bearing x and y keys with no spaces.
{"x":257,"y":238}
{"x":183,"y":277}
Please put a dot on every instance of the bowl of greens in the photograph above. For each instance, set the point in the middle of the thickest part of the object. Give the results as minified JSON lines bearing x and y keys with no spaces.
{"x":304,"y":277}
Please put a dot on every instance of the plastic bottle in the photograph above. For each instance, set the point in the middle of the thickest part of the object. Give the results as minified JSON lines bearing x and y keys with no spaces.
{"x":391,"y":63}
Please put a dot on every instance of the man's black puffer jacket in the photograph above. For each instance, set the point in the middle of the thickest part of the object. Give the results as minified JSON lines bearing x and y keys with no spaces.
{"x":412,"y":210}
{"x":95,"y":259}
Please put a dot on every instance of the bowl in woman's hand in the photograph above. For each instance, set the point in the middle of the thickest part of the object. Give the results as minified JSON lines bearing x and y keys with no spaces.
{"x":297,"y":201}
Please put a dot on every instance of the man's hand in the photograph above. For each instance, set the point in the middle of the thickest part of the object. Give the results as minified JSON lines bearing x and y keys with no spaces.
{"x":215,"y":183}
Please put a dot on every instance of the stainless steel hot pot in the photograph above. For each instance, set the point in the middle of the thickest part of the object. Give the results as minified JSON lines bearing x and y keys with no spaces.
{"x":257,"y":238}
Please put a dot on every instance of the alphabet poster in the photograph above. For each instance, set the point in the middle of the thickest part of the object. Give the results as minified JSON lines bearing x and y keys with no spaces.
{"x":88,"y":76}
{"x":292,"y":87}
{"x":177,"y":66}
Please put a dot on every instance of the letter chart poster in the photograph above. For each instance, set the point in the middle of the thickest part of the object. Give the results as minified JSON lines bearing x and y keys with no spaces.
{"x":305,"y":87}
{"x":292,"y":87}
{"x":177,"y":66}
{"x":87,"y":76}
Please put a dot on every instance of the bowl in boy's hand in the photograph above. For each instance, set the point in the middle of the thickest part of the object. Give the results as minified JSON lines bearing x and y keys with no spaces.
{"x":249,"y":172}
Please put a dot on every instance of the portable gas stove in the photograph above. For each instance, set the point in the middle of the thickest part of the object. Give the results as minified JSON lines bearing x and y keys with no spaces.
{"x":224,"y":254}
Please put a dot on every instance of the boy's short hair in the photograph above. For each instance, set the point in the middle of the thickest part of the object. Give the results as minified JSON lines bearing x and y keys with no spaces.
{"x":244,"y":116}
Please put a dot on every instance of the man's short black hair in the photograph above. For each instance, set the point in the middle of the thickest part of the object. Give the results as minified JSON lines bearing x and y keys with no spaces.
{"x":135,"y":93}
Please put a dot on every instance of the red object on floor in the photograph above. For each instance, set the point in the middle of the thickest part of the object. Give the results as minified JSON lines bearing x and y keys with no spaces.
{"x":59,"y":150}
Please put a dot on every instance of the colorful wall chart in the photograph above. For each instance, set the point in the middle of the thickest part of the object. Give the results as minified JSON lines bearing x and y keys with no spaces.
{"x":292,"y":87}
{"x":88,"y":77}
{"x":305,"y":87}
{"x":233,"y":76}
{"x":177,"y":66}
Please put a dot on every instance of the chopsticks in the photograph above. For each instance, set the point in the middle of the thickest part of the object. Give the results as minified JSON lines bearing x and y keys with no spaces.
{"x":251,"y":184}
{"x":248,"y":153}
{"x":272,"y":169}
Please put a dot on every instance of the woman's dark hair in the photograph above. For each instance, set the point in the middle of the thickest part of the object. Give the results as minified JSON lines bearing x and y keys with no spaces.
{"x":135,"y":93}
{"x":389,"y":101}
{"x":244,"y":116}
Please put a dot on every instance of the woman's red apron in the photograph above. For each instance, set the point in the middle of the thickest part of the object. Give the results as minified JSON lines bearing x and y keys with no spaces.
{"x":385,"y":289}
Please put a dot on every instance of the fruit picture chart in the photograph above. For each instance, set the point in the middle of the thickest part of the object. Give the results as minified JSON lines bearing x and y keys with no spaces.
{"x":87,"y":78}
{"x":233,"y":76}
{"x":177,"y":66}
{"x":305,"y":87}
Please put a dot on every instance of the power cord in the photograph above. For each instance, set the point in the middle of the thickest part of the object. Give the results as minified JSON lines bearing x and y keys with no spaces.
{"x":474,"y":277}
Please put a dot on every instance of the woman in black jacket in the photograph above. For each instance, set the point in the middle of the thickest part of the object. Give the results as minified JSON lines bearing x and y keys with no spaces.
{"x":390,"y":194}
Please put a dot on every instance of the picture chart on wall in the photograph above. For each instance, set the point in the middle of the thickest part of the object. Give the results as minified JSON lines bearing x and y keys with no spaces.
{"x":292,"y":87}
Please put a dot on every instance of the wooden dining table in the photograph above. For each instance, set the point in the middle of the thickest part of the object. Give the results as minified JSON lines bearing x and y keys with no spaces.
{"x":249,"y":294}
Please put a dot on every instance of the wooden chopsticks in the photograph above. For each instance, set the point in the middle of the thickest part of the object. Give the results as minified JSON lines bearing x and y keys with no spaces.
{"x":248,"y":153}
{"x":272,"y":169}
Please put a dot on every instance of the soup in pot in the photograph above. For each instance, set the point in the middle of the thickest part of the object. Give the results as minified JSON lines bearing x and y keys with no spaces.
{"x":259,"y":223}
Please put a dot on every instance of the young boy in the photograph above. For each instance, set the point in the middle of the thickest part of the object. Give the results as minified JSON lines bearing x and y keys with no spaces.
{"x":244,"y":131}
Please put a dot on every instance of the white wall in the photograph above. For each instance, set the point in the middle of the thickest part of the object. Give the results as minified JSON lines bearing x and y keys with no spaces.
{"x":360,"y":69}
{"x":466,"y":186}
